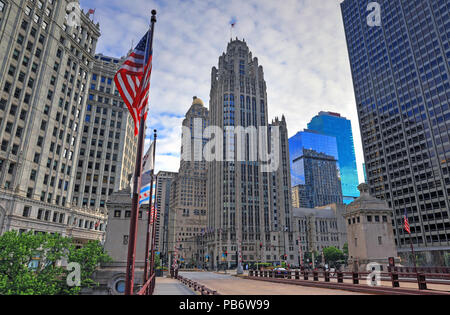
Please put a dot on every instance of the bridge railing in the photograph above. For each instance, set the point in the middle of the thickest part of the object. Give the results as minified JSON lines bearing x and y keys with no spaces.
{"x":427,"y":270}
{"x":422,"y":279}
{"x":197,"y":287}
{"x":149,"y":287}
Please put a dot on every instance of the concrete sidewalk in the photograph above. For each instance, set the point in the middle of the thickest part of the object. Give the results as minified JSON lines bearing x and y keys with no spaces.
{"x":165,"y":286}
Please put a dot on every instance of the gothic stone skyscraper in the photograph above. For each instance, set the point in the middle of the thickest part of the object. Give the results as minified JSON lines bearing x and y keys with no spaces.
{"x":45,"y":71}
{"x":401,"y":73}
{"x":188,"y":204}
{"x":247,"y":206}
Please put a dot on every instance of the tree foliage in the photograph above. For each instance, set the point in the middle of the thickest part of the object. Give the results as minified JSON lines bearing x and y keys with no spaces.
{"x":333,"y":255}
{"x":345,"y":249}
{"x":32,"y":264}
{"x":158,"y":261}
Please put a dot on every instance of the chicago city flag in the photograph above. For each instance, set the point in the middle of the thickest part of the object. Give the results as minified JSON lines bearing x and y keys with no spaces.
{"x":147,"y":174}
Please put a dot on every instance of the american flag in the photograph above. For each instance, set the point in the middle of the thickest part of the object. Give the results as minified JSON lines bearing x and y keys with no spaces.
{"x":153,"y":209}
{"x":153,"y":214}
{"x":133,"y":80}
{"x":406,"y":223}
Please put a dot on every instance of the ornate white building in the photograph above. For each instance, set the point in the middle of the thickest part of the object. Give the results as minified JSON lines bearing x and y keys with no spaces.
{"x":45,"y":72}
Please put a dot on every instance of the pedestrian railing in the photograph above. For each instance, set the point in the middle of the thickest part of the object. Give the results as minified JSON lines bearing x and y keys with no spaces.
{"x":422,"y":279}
{"x":149,"y":287}
{"x":197,"y":287}
{"x":429,"y":270}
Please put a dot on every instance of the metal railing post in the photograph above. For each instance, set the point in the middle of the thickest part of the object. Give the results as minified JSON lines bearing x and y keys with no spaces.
{"x":355,"y":276}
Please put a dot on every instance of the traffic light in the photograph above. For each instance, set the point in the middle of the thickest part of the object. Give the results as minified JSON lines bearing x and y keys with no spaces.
{"x":260,"y":245}
{"x":226,"y":254}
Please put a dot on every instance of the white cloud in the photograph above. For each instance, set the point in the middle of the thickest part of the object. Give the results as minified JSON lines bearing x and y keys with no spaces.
{"x":300,"y":44}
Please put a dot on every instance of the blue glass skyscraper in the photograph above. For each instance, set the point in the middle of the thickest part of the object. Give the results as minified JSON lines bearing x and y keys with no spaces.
{"x":332,"y":124}
{"x":401,"y":71}
{"x":309,"y":140}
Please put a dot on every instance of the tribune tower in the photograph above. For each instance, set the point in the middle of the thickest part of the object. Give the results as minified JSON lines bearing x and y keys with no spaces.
{"x":249,"y":210}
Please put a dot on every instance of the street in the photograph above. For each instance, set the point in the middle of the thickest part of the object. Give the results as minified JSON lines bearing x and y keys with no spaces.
{"x":231,"y":285}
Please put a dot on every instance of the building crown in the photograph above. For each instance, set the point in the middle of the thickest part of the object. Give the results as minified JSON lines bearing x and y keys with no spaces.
{"x":197,"y":101}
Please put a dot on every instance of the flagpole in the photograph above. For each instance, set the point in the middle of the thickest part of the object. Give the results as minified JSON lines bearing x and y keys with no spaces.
{"x":147,"y":243}
{"x":410,"y":240}
{"x":147,"y":275}
{"x":155,"y":216}
{"x":413,"y":253}
{"x":131,"y":259}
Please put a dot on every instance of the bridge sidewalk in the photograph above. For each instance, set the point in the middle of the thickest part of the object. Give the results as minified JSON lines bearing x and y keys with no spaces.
{"x":165,"y":286}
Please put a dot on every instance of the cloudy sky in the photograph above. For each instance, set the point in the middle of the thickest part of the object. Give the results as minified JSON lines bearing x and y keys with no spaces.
{"x":300,"y":44}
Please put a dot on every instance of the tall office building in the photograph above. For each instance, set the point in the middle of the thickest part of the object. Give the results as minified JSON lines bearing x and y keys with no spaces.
{"x":45,"y":72}
{"x":108,"y":145}
{"x":187,"y":217}
{"x":163,"y":189}
{"x":281,"y":178}
{"x":332,"y":124}
{"x":310,"y":140}
{"x":401,"y":73}
{"x":249,"y":209}
{"x":322,"y":185}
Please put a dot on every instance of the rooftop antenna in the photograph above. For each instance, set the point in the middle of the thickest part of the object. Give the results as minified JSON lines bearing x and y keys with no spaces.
{"x":232,"y":25}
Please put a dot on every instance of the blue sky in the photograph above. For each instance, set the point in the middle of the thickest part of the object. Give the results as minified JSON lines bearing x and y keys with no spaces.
{"x":300,"y":44}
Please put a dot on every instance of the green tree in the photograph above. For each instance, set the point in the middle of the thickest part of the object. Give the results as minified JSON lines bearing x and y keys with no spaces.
{"x":158,"y":261}
{"x":345,"y":249}
{"x":308,"y":256}
{"x":90,"y":256}
{"x":333,"y":255}
{"x":30,"y":264}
